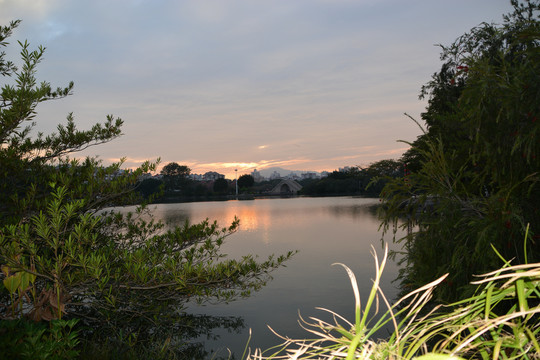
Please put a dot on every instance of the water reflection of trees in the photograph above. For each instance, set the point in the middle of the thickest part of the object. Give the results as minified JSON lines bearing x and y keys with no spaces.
{"x":253,"y":217}
{"x":353,"y":211}
{"x":173,"y":218}
{"x":181,"y":338}
{"x":196,"y":329}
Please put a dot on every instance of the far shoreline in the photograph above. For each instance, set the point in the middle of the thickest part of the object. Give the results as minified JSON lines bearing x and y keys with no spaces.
{"x":247,"y":197}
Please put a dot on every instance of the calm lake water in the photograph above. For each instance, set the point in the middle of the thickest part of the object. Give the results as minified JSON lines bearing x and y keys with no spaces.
{"x":324,"y":230}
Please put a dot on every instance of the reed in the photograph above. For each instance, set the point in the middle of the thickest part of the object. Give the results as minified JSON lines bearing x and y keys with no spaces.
{"x":500,"y":321}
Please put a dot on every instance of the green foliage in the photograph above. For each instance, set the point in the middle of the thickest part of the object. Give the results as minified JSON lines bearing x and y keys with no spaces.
{"x":475,"y":171}
{"x":21,"y":339}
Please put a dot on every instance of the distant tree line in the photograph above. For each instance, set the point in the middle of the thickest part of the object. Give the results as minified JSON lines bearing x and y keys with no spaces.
{"x":176,"y":185}
{"x":368,"y":181}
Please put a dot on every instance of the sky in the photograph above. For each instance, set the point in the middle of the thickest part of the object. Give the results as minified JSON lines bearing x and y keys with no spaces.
{"x":309,"y":85}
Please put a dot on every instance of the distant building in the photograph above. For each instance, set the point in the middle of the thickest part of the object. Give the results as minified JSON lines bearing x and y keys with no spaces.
{"x":195,"y":177}
{"x":310,"y":175}
{"x":257,"y":175}
{"x":275,"y":175}
{"x":293,"y":176}
{"x":324,"y":174}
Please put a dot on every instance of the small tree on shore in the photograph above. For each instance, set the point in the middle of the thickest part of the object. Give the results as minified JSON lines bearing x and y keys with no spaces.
{"x":175,"y":176}
{"x":246,"y":181}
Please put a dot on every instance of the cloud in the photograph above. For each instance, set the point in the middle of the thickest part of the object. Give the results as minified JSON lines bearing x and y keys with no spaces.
{"x":226,"y":165}
{"x":128,"y":161}
{"x":28,"y":10}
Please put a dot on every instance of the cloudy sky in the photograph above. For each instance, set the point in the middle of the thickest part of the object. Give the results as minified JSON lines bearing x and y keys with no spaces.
{"x":225,"y":84}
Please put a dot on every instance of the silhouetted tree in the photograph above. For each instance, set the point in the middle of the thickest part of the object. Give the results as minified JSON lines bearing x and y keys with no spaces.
{"x":175,"y":176}
{"x":221,"y":186}
{"x":245,"y":181}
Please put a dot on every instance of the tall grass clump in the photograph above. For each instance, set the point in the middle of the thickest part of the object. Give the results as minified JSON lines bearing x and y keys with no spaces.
{"x":500,"y":321}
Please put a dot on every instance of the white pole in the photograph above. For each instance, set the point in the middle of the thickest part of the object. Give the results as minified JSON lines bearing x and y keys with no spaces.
{"x":236,"y":182}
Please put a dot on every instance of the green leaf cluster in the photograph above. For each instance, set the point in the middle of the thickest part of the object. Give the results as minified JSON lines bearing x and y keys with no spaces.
{"x":29,"y":340}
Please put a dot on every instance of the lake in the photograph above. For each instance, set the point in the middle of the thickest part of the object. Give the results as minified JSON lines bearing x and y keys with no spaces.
{"x":323,"y":230}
